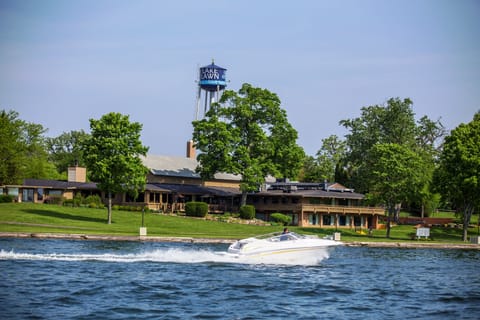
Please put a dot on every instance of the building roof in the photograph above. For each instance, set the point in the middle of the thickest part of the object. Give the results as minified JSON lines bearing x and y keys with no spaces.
{"x":314,"y":193}
{"x":190,"y":189}
{"x":58,"y":184}
{"x":179,"y":167}
{"x":312,"y":190}
{"x":159,"y":187}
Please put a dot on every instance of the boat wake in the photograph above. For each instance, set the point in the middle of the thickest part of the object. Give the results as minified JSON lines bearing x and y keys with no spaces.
{"x":170,"y":255}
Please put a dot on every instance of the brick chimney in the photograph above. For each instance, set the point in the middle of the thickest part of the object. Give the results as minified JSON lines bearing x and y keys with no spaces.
{"x":77,"y":174}
{"x":190,"y":150}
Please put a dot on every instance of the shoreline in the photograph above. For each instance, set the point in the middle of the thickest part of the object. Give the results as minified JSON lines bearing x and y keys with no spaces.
{"x":93,"y":237}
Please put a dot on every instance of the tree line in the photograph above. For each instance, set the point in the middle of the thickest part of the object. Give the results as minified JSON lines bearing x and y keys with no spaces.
{"x":395,"y":160}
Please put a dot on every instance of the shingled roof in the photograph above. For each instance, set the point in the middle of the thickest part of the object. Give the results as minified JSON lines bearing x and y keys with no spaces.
{"x":58,"y":184}
{"x":179,"y":167}
{"x":197,"y":189}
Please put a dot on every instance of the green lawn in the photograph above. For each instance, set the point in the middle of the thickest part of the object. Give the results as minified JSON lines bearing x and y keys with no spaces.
{"x":43,"y":218}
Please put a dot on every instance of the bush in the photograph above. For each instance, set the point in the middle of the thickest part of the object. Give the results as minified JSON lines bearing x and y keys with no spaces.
{"x":247,"y":212}
{"x":77,"y":200}
{"x":94,"y":199}
{"x":5,"y":198}
{"x":68,"y":203}
{"x":196,"y":209}
{"x":55,"y":200}
{"x":281,"y":218}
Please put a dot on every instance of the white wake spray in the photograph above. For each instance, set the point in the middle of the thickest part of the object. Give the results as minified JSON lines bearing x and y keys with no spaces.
{"x":167,"y":255}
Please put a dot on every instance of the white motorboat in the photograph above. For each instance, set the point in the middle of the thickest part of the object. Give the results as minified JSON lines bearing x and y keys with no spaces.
{"x":281,"y":244}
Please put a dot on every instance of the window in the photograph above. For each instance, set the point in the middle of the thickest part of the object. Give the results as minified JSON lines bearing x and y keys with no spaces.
{"x":55,"y":193}
{"x":12,"y":192}
{"x":313,"y":219}
{"x":140,"y":198}
{"x":294,"y":218}
{"x":27,"y":195}
{"x":358,"y":221}
{"x":40,"y":194}
{"x":328,"y":220}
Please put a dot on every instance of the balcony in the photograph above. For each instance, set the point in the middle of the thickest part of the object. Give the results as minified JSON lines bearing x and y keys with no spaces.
{"x":318,"y":208}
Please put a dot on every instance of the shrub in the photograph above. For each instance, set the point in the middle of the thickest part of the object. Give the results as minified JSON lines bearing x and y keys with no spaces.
{"x":55,"y":200}
{"x":94,"y":199}
{"x":202,"y":209}
{"x":247,"y":212}
{"x":68,"y":203}
{"x":5,"y":198}
{"x":196,"y":209}
{"x":77,"y":200}
{"x":281,"y":218}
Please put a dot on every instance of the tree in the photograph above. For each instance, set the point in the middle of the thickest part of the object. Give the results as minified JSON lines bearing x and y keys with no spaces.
{"x":329,"y":156}
{"x":37,"y":165}
{"x":429,"y":133}
{"x":22,"y":150}
{"x":248,"y":134}
{"x":458,"y":175}
{"x":311,"y":170}
{"x":66,"y":149}
{"x":327,"y":160}
{"x":396,"y":172}
{"x":392,"y":123}
{"x":112,"y":154}
{"x":12,"y":148}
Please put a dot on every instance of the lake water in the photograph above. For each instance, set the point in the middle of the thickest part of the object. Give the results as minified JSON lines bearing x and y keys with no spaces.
{"x":66,"y":279}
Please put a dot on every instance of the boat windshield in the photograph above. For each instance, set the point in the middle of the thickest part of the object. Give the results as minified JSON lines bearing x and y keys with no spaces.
{"x":279,"y":236}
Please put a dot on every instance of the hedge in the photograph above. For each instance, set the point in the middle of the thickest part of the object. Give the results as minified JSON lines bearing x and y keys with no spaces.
{"x":247,"y":212}
{"x":281,"y":218}
{"x":5,"y":198}
{"x":196,"y":209}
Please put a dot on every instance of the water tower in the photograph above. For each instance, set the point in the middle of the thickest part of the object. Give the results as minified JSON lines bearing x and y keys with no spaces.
{"x":211,"y":81}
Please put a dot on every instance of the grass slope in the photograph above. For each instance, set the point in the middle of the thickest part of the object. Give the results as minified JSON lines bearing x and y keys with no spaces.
{"x":43,"y":218}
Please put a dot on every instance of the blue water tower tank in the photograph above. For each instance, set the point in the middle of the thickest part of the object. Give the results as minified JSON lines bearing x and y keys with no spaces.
{"x":213,"y":78}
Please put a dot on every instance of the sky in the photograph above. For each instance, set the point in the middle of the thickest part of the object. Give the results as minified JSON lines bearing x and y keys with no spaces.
{"x":65,"y":62}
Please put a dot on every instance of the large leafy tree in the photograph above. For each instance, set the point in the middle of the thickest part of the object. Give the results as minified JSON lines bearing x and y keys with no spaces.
{"x":458,"y":175}
{"x":12,"y":148}
{"x":66,"y":149}
{"x":392,"y":123}
{"x":112,"y":154}
{"x":22,"y":150}
{"x":37,"y":165}
{"x":396,"y":172}
{"x":327,"y":160}
{"x":248,"y":134}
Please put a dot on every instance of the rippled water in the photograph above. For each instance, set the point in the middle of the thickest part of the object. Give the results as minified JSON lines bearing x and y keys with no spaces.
{"x":61,"y":279}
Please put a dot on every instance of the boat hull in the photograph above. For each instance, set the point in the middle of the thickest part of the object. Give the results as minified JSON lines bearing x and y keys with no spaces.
{"x":297,"y":256}
{"x":273,"y":250}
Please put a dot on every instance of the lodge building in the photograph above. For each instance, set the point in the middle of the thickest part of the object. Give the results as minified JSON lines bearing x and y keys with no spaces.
{"x":173,"y":181}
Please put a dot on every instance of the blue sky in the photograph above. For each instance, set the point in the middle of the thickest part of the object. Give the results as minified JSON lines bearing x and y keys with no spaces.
{"x":64,"y":62}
